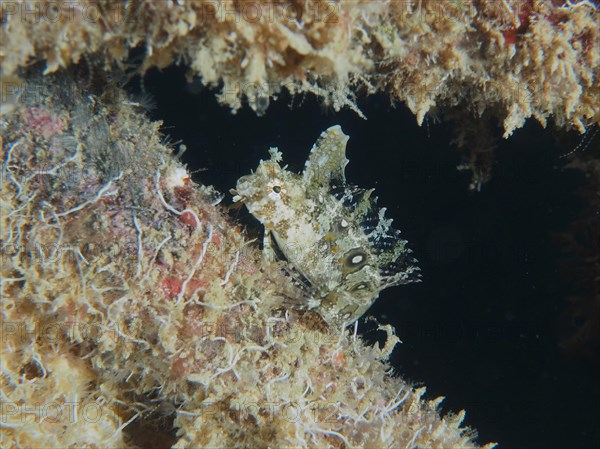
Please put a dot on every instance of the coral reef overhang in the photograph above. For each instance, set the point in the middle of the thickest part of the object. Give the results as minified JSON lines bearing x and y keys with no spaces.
{"x":512,"y":59}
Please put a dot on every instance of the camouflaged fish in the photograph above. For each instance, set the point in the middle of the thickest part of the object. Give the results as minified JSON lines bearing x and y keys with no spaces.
{"x":338,"y":243}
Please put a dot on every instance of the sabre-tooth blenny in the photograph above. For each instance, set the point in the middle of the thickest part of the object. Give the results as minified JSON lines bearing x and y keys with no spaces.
{"x":336,"y":241}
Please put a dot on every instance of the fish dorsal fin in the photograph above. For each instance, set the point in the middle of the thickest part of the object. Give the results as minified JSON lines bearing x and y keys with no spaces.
{"x":327,"y":160}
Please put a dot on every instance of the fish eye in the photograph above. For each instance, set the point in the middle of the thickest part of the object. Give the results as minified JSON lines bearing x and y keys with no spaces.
{"x":354,"y":260}
{"x":275,"y":189}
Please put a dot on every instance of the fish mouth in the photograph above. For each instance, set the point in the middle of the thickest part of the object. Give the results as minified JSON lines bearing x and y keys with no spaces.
{"x":236,"y":196}
{"x":242,"y":188}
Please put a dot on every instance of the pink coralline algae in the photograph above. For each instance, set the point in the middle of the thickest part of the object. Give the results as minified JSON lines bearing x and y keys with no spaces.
{"x":42,"y":122}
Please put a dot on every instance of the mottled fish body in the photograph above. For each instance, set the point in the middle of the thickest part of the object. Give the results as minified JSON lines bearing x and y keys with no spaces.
{"x":338,"y":243}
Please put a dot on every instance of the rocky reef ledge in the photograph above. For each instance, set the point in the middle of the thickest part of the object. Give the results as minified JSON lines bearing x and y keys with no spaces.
{"x":136,"y":313}
{"x":511,"y":59}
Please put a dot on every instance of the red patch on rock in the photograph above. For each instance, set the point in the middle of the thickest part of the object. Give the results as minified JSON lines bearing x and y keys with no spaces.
{"x":189,"y":219}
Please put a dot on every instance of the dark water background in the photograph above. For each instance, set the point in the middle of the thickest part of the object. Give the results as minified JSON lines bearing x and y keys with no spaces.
{"x":483,"y":328}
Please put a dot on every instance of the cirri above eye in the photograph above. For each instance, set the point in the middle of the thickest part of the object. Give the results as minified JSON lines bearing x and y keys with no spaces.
{"x":340,"y":247}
